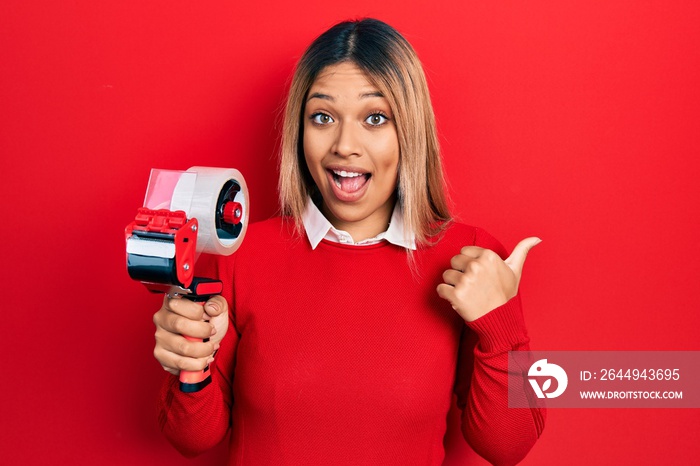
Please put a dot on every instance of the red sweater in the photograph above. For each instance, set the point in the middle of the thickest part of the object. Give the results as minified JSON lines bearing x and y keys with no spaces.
{"x":342,"y":355}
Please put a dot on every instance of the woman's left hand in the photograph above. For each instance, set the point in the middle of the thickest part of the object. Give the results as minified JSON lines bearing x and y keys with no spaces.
{"x":480,"y":281}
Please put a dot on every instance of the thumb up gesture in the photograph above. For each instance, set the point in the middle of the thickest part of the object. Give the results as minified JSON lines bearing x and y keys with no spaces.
{"x":479,"y":281}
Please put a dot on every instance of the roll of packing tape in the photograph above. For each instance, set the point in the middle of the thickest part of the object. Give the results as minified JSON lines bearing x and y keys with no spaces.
{"x":204,"y":198}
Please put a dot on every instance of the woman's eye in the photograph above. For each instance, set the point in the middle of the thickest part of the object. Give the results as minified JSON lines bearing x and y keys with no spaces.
{"x":376,"y":119}
{"x":321,"y":118}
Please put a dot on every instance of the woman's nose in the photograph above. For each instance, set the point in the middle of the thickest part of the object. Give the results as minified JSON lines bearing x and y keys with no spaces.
{"x":347,"y":141}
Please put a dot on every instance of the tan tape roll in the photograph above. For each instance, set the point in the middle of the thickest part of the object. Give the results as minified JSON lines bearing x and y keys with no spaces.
{"x":199,"y":200}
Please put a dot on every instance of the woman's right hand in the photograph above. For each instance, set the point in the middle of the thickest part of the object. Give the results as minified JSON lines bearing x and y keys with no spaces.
{"x":178,"y":317}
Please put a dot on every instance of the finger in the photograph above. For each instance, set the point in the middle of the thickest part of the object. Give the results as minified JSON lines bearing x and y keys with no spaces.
{"x":460,"y":261}
{"x":472,"y":251}
{"x":516,"y":260}
{"x":180,"y":346}
{"x":175,"y":363}
{"x":446,"y":292}
{"x":452,"y":277}
{"x":215,"y":306}
{"x":184,"y":307}
{"x":177,"y":324}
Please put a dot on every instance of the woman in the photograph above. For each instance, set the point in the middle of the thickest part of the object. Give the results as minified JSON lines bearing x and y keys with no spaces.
{"x":347,"y":323}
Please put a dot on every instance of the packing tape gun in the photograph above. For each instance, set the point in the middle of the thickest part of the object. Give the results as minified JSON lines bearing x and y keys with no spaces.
{"x":186,"y":213}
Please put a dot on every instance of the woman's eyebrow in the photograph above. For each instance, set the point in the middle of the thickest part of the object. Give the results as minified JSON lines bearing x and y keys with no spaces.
{"x":371,"y":94}
{"x":319,"y":95}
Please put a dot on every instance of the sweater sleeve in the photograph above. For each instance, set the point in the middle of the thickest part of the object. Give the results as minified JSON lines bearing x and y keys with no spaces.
{"x":501,"y":435}
{"x":195,"y":422}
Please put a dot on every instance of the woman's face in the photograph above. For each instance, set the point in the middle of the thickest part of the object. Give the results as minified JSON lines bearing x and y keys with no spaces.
{"x":352,"y":150}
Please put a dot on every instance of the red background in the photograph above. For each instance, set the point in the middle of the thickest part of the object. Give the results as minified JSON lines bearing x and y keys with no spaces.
{"x":575,"y":121}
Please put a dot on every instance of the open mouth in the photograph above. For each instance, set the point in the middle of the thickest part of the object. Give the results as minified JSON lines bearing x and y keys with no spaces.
{"x":349,"y":181}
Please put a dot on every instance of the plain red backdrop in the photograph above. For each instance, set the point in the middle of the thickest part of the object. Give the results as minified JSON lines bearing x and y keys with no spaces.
{"x":575,"y":121}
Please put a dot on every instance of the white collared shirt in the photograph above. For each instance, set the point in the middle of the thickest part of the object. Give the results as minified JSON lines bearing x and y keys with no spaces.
{"x":318,"y":228}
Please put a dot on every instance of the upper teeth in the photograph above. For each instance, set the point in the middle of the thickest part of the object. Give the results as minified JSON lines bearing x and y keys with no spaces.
{"x":345,"y":174}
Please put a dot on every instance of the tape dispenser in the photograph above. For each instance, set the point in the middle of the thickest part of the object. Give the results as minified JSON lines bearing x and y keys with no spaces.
{"x":186,"y":213}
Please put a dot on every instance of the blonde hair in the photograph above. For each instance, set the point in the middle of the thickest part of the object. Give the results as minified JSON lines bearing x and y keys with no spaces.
{"x":392,"y":65}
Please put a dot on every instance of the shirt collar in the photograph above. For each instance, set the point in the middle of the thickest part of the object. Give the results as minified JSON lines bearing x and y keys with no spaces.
{"x":318,"y":227}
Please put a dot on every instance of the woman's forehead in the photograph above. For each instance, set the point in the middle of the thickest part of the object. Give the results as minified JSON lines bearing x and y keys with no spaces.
{"x":343,"y":77}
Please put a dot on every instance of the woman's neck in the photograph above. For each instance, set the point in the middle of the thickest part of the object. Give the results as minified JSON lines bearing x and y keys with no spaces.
{"x":364,"y":228}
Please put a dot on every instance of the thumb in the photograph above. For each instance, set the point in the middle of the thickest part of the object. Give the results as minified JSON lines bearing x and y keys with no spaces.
{"x":215,"y":306}
{"x":516,"y":260}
